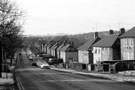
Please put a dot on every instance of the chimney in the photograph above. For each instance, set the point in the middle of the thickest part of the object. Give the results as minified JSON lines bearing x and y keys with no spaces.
{"x":57,"y":42}
{"x":44,"y":43}
{"x":122,"y":30}
{"x":95,"y":34}
{"x":72,"y":43}
{"x":110,"y":32}
{"x":64,"y":43}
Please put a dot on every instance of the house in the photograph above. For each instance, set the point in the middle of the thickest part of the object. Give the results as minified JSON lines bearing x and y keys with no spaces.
{"x":44,"y":47}
{"x":127,"y":41}
{"x":58,"y":50}
{"x":54,"y":49}
{"x":107,"y":49}
{"x":69,"y":53}
{"x":85,"y":55}
{"x":62,"y":50}
{"x":51,"y":43}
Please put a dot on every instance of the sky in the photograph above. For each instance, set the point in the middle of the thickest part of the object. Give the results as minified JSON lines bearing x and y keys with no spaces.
{"x":44,"y":17}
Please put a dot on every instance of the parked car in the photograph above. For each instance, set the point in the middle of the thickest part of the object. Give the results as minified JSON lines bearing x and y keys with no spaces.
{"x":30,"y":58}
{"x":34,"y":64}
{"x":55,"y":61}
{"x":42,"y":64}
{"x":45,"y":65}
{"x":38,"y":62}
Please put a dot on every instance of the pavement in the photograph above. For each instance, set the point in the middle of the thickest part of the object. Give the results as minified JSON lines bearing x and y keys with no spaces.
{"x":7,"y":78}
{"x":117,"y":77}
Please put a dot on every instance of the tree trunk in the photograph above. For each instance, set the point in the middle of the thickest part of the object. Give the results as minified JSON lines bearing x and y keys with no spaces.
{"x":0,"y":59}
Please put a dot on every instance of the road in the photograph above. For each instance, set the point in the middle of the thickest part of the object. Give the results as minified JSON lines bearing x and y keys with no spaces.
{"x":34,"y":78}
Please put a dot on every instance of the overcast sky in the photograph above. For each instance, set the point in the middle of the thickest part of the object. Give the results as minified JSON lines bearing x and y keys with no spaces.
{"x":76,"y":16}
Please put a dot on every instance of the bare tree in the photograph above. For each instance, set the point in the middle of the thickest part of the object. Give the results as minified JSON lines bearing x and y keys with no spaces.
{"x":10,"y":28}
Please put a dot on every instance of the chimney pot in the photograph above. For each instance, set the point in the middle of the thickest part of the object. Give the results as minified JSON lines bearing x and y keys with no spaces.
{"x":110,"y":32}
{"x":95,"y":34}
{"x":72,"y":43}
{"x":122,"y":30}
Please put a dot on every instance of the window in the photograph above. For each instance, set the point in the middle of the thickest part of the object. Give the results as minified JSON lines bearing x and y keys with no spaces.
{"x":125,"y":57}
{"x":96,"y":50}
{"x":108,"y":51}
{"x":121,"y":42}
{"x":132,"y":42}
{"x":128,"y":56}
{"x":128,"y":42}
{"x":104,"y":50}
{"x":131,"y":56}
{"x":124,"y":42}
{"x":99,"y":51}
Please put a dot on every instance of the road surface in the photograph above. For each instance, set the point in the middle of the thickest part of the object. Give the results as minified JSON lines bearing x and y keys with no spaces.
{"x":34,"y":78}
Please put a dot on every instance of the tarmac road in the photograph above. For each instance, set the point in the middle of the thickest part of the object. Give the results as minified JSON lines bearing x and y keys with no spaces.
{"x":34,"y":78}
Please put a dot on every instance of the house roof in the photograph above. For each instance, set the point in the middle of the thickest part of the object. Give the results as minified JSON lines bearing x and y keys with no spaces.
{"x":50,"y":45}
{"x":129,"y":33}
{"x":65,"y":47}
{"x":59,"y":48}
{"x":54,"y":46}
{"x":86,"y":46}
{"x":71,"y":48}
{"x":107,"y":41}
{"x":68,"y":48}
{"x":47,"y":44}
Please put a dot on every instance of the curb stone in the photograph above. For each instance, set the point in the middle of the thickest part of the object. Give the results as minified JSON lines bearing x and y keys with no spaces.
{"x":105,"y":76}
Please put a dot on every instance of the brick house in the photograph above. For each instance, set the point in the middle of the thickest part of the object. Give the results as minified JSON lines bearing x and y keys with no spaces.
{"x":44,"y":46}
{"x":58,"y":50}
{"x":85,"y":55}
{"x":127,"y":41}
{"x":49,"y":47}
{"x":69,"y":53}
{"x":53,"y":49}
{"x":107,"y":49}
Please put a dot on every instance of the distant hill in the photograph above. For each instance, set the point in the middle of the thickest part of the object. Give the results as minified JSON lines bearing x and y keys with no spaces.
{"x":80,"y":39}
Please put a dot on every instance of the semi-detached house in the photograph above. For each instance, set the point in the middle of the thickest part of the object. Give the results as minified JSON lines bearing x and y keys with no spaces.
{"x":128,"y":45}
{"x":53,"y":49}
{"x":107,"y":49}
{"x":69,"y":53}
{"x":58,"y":50}
{"x":49,"y":47}
{"x":85,"y":55}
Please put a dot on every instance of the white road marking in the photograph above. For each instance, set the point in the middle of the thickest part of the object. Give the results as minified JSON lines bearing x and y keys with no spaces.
{"x":30,"y":69}
{"x":18,"y":83}
{"x":75,"y":80}
{"x":21,"y":87}
{"x":42,"y":73}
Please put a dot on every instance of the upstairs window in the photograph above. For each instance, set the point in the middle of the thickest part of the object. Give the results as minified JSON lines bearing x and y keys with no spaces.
{"x":124,"y":42}
{"x":132,"y":42}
